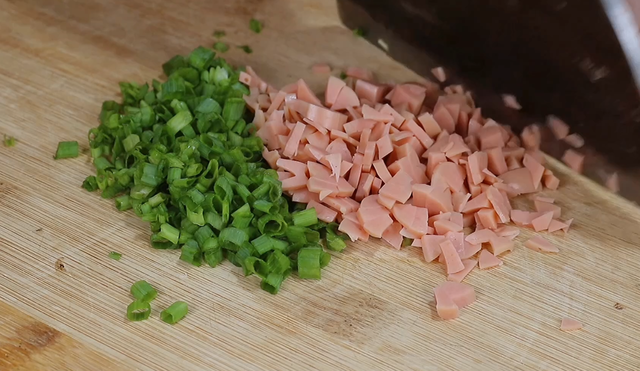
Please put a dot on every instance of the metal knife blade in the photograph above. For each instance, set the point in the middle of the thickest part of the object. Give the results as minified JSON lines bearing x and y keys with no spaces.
{"x":576,"y":59}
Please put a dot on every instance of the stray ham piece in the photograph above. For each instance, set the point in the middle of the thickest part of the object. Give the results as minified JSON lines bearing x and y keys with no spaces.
{"x":487,"y":260}
{"x":511,"y":101}
{"x":321,"y":68}
{"x":574,"y":160}
{"x":538,"y":243}
{"x":558,"y":127}
{"x":570,"y":324}
{"x":451,"y":297}
{"x":574,"y":140}
{"x":439,"y":74}
{"x":613,"y":183}
{"x":409,"y":161}
{"x":469,"y":265}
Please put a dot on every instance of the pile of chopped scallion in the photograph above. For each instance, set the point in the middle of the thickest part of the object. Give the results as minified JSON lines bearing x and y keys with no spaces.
{"x":183,"y":155}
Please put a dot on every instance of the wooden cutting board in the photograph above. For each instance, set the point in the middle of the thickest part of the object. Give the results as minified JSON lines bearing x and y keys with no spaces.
{"x":373,"y":309}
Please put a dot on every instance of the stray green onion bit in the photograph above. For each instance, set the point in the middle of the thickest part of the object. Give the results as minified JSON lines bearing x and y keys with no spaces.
{"x":219,"y":33}
{"x":220,"y":47}
{"x":343,"y":75}
{"x":138,"y":311}
{"x":183,"y":155}
{"x":9,"y":141}
{"x":255,"y":25}
{"x":359,"y":32}
{"x":115,"y":255}
{"x":143,"y":291}
{"x":175,"y":312}
{"x":246,"y":48}
{"x":67,"y":150}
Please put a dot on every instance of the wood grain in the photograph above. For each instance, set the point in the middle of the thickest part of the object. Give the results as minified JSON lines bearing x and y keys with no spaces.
{"x":372,"y":310}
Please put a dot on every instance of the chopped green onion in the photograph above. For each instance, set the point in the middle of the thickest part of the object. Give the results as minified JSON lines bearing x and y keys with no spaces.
{"x":191,"y":253}
{"x":219,"y":33}
{"x":221,"y":47}
{"x":255,"y":25}
{"x":138,"y":311}
{"x":309,"y":262}
{"x":123,"y":203}
{"x":9,"y":141}
{"x":115,"y":255}
{"x":143,"y":291}
{"x":359,"y":32}
{"x":246,"y":48}
{"x":90,"y":183}
{"x":179,"y":122}
{"x":343,"y":75}
{"x":175,"y":312}
{"x":130,"y":142}
{"x":305,"y":218}
{"x":184,"y":156}
{"x":234,"y":235}
{"x":67,"y":150}
{"x":169,"y":233}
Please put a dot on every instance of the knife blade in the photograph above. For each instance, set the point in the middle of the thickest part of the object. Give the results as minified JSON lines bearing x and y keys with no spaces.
{"x":576,"y":59}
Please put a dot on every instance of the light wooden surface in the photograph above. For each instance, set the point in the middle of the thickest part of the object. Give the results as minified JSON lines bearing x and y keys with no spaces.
{"x":373,"y":309}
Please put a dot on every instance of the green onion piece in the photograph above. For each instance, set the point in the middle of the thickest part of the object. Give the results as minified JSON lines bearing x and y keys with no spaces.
{"x":138,"y":311}
{"x":309,"y":262}
{"x":234,"y":235}
{"x":213,"y":254}
{"x":169,"y":232}
{"x":67,"y":150}
{"x":130,"y":142}
{"x":233,"y":109}
{"x":123,"y":203}
{"x":359,"y":32}
{"x":305,"y":218}
{"x":263,"y":244}
{"x":9,"y":141}
{"x":175,"y":312}
{"x":221,"y":47}
{"x":191,"y":253}
{"x":334,"y":241}
{"x":115,"y":255}
{"x":219,"y":33}
{"x":90,"y":183}
{"x":343,"y":75}
{"x":143,"y":291}
{"x":255,"y":25}
{"x":325,"y":259}
{"x":178,"y":122}
{"x":272,"y":282}
{"x":246,"y":48}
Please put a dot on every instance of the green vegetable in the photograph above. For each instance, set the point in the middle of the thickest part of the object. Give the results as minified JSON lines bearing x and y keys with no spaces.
{"x":9,"y":141}
{"x":143,"y":291}
{"x":221,"y":47}
{"x":255,"y":25}
{"x":67,"y":150}
{"x":219,"y":33}
{"x":246,"y":48}
{"x":175,"y":312}
{"x":115,"y":255}
{"x":305,"y":218}
{"x":359,"y":32}
{"x":138,"y":311}
{"x":182,"y":155}
{"x":343,"y":75}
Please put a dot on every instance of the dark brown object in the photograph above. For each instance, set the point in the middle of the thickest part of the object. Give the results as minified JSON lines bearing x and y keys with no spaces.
{"x":60,"y":266}
{"x":570,"y":58}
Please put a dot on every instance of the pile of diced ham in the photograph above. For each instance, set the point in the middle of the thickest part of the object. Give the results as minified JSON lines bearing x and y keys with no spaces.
{"x":407,"y":161}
